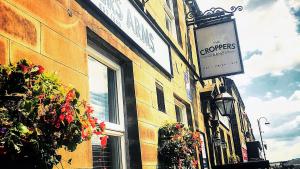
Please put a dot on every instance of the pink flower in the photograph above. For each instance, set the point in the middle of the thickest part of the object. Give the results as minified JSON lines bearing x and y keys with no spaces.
{"x":57,"y":125}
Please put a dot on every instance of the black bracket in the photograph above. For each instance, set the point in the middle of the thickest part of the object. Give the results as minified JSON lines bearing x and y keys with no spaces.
{"x":144,"y":2}
{"x":208,"y":17}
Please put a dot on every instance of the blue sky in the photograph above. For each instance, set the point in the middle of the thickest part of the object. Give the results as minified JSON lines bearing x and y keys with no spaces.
{"x":269,"y":34}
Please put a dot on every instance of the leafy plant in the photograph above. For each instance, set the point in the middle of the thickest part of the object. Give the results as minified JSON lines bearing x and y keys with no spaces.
{"x":178,"y":146}
{"x":39,"y":115}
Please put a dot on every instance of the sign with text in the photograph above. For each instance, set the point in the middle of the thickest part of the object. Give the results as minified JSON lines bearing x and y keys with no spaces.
{"x":218,"y":50}
{"x":133,"y":24}
{"x":244,"y":154}
{"x":188,"y":85}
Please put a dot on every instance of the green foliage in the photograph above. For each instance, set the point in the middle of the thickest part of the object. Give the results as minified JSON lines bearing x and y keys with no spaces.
{"x":178,"y":146}
{"x":39,"y":115}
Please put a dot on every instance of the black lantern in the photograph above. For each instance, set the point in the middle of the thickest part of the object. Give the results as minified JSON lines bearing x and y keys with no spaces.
{"x":224,"y":102}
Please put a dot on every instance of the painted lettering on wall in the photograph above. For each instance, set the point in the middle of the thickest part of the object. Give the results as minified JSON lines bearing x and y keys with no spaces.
{"x":133,"y":24}
{"x":139,"y":30}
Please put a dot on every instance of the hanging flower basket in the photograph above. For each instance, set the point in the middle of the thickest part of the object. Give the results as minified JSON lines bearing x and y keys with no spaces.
{"x":178,"y":147}
{"x":38,"y":116}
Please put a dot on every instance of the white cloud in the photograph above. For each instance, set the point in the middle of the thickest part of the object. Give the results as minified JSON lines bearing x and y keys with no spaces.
{"x":295,"y":96}
{"x":282,"y":150}
{"x":265,"y":29}
{"x":275,"y":34}
{"x":268,"y":95}
{"x":294,"y":3}
{"x":284,"y":115}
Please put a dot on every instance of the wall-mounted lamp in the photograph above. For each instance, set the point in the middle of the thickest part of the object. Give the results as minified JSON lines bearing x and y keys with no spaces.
{"x":224,"y":102}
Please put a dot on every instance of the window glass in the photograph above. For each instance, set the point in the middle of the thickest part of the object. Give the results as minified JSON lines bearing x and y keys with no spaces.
{"x":103,"y":95}
{"x":177,"y":23}
{"x":160,"y":98}
{"x":168,"y":23}
{"x":108,"y":157}
{"x":178,"y":113}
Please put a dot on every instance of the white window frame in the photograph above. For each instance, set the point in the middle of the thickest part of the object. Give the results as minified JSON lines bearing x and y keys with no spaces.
{"x":112,"y":128}
{"x":170,"y":16}
{"x":183,"y":113}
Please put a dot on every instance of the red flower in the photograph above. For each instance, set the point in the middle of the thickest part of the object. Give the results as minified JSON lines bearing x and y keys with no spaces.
{"x":92,"y":122}
{"x":195,"y":162}
{"x":195,"y":135}
{"x":97,"y":133}
{"x":70,"y":95}
{"x":102,"y":126}
{"x":63,"y":109}
{"x":41,"y":69}
{"x":178,"y":126}
{"x":84,"y":134}
{"x":69,"y":118}
{"x":103,"y":141}
{"x":24,"y":68}
{"x":61,"y":117}
{"x":89,"y":109}
{"x":41,"y":96}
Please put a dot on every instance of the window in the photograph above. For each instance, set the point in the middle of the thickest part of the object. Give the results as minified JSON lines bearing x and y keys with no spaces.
{"x":177,"y":23}
{"x":181,"y":114}
{"x":105,"y":92}
{"x":168,"y":23}
{"x":160,"y":98}
{"x":170,"y":18}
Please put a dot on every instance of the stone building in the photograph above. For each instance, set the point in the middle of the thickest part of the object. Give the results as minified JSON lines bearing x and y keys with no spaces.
{"x":134,"y":60}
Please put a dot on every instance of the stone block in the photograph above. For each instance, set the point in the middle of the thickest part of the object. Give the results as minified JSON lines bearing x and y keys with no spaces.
{"x":4,"y":50}
{"x":54,"y":14}
{"x":62,"y":50}
{"x":149,"y":154}
{"x":143,"y":94}
{"x":152,"y":116}
{"x":149,"y":167}
{"x":143,"y":78}
{"x":19,"y":26}
{"x":148,"y":133}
